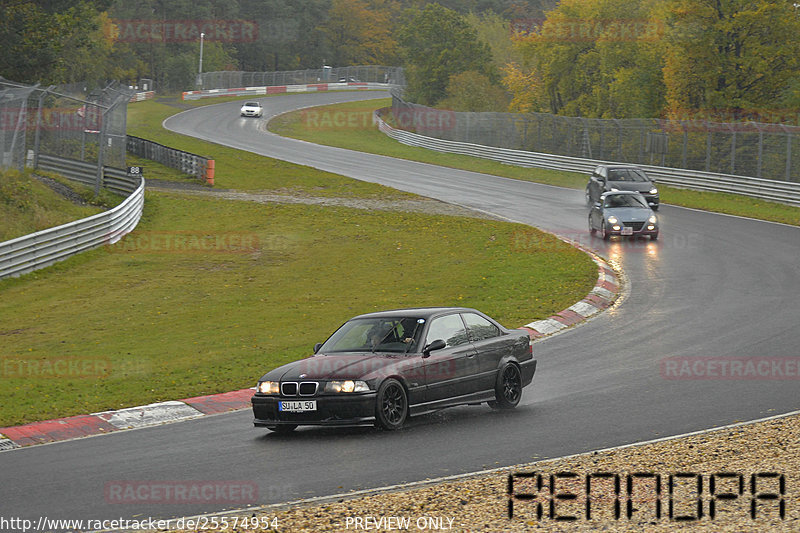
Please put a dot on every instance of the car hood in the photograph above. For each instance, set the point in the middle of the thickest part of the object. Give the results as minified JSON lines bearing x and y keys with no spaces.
{"x":628,"y":214}
{"x":341,"y":366}
{"x":638,"y":186}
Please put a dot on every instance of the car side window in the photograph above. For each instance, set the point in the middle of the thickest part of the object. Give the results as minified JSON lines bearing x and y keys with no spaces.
{"x":479,"y":328}
{"x":449,"y":328}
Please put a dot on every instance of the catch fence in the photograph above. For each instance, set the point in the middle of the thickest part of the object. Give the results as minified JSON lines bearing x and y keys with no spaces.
{"x":753,"y":149}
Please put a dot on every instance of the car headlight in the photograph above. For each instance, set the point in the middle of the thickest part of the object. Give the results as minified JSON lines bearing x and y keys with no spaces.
{"x":653,"y":191}
{"x":269,"y":387}
{"x":652,"y":219}
{"x":612,"y":219}
{"x":346,"y":386}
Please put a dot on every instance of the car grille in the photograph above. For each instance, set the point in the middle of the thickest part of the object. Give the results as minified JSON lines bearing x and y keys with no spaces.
{"x":637,"y":226}
{"x":293,"y":388}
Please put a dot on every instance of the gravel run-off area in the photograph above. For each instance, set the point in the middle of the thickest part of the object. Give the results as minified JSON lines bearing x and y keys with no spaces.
{"x":767,"y":452}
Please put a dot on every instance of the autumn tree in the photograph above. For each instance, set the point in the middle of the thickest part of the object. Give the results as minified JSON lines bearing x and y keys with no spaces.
{"x":473,"y":91}
{"x":591,"y":58}
{"x":732,"y":57}
{"x":53,"y":42}
{"x":436,"y":43}
{"x":358,"y":33}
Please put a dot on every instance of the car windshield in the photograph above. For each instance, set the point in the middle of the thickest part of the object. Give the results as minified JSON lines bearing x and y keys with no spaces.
{"x":624,"y":200}
{"x":626,"y":174}
{"x":251,"y":104}
{"x":395,"y":334}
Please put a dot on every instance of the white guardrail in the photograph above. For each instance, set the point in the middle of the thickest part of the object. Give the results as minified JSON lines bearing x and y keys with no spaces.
{"x":773,"y":190}
{"x":43,"y":248}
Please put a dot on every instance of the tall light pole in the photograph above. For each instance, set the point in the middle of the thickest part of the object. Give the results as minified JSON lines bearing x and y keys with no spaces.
{"x":200,"y":68}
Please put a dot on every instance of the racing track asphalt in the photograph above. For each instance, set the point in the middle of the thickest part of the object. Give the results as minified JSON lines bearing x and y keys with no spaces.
{"x":712,"y":286}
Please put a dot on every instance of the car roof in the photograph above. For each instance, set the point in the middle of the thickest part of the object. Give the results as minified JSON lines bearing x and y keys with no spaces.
{"x":420,"y":312}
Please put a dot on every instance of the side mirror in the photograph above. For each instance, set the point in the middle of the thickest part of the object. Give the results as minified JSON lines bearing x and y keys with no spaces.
{"x":317,"y":347}
{"x":438,"y":344}
{"x":598,"y":205}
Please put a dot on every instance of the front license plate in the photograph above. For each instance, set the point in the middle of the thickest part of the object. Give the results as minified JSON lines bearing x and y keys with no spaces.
{"x":298,"y":407}
{"x":627,"y":230}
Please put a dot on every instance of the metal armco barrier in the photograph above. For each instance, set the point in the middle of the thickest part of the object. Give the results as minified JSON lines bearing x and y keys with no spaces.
{"x":114,"y":179}
{"x":776,"y":191}
{"x":186,"y":162}
{"x":279,"y":89}
{"x":43,"y":248}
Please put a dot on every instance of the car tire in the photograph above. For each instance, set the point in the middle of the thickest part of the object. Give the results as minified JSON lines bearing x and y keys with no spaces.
{"x":282,"y":428}
{"x":508,"y":387}
{"x":654,"y":237}
{"x":391,"y":405}
{"x":606,"y":234}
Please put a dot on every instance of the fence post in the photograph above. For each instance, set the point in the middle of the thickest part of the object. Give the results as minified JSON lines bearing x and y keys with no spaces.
{"x":101,"y":152}
{"x":760,"y":149}
{"x":788,"y":152}
{"x":37,"y":140}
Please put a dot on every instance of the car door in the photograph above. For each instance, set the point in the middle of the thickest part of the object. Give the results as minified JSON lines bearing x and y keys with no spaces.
{"x":451,"y":371}
{"x":491,"y":346}
{"x":597,"y":184}
{"x":596,"y":217}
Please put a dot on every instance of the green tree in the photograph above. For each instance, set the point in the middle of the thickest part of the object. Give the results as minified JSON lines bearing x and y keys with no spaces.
{"x":358,"y":34}
{"x":592,"y":58}
{"x":53,"y":42}
{"x":472,"y":91}
{"x":436,"y":43}
{"x":730,"y":57}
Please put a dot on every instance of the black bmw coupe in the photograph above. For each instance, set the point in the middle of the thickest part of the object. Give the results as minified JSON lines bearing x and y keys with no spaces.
{"x":380,"y":368}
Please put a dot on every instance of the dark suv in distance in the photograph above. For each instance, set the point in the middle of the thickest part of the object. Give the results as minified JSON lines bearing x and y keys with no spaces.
{"x":606,"y":178}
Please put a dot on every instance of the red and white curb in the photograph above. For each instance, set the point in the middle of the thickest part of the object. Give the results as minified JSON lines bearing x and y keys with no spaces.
{"x":133,"y":417}
{"x":602,"y":296}
{"x":280,"y":89}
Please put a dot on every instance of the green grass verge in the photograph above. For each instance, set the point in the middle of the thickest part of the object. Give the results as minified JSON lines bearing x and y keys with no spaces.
{"x":349,"y":126}
{"x":28,"y":205}
{"x":143,"y":321}
{"x":167,"y":323}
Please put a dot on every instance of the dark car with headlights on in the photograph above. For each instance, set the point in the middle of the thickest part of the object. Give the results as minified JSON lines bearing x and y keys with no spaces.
{"x":380,"y":368}
{"x":623,"y":213}
{"x":609,"y":178}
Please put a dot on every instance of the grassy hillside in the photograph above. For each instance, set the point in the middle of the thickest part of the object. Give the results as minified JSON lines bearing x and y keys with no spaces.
{"x":28,"y":205}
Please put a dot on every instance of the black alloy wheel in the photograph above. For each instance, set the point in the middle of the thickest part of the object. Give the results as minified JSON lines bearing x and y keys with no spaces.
{"x":508,"y":390}
{"x":391,"y":407}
